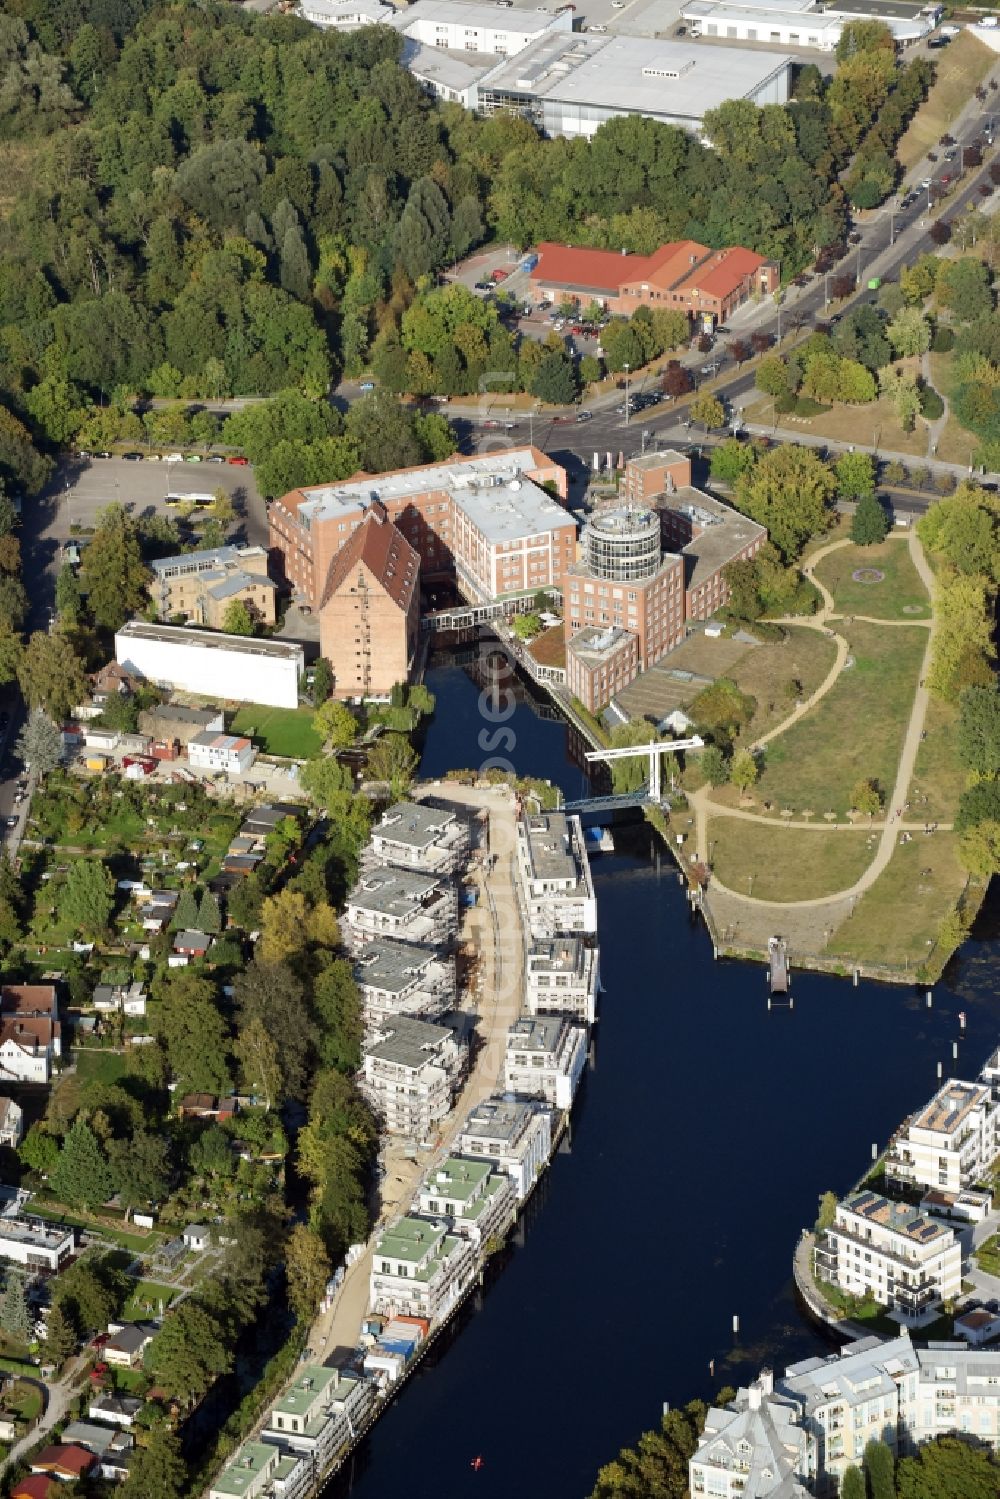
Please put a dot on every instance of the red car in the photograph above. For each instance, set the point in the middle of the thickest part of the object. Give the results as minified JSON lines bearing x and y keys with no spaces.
{"x":242,"y":462}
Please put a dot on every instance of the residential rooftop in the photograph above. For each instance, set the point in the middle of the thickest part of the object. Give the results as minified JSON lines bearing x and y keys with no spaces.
{"x":391,"y":966}
{"x":457,"y":1178}
{"x":414,"y":1239}
{"x":312,"y":1381}
{"x":564,"y":954}
{"x":538,"y":1033}
{"x":551,"y":847}
{"x":502,"y":1119}
{"x":17,"y":1230}
{"x":242,"y":1473}
{"x":413,"y":824}
{"x":408,"y":1043}
{"x":897,"y":1216}
{"x":394,"y":892}
{"x":950,"y":1107}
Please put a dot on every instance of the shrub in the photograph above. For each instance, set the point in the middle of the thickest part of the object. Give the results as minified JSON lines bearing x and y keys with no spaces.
{"x":931,"y":404}
{"x":943,"y":341}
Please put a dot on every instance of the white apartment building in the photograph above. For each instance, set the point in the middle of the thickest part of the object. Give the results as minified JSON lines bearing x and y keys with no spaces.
{"x":950,"y":1143}
{"x":513,"y":1134}
{"x":472,"y":26}
{"x":907,"y":1261}
{"x":320,"y":1413}
{"x":478,"y":1200}
{"x":402,"y":978}
{"x":346,"y":15}
{"x":410,"y":1074}
{"x":226,"y":752}
{"x":33,"y":1242}
{"x":401,"y":903}
{"x":757,"y":1445}
{"x":544,"y":1059}
{"x":555,"y":875}
{"x":420,"y":1269}
{"x":415,"y":835}
{"x":258,"y":1469}
{"x":561,"y":978}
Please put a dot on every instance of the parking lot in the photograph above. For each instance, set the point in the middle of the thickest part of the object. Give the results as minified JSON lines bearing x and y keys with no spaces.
{"x":84,"y":486}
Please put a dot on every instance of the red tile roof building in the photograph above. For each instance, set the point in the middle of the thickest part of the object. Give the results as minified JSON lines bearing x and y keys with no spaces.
{"x":62,"y":1460}
{"x":369,"y":615}
{"x":684,"y":276}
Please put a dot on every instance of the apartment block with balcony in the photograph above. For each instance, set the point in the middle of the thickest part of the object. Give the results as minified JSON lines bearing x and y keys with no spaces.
{"x":756,"y":1446}
{"x":958,"y":1391}
{"x":478,"y":1200}
{"x":320,"y":1413}
{"x":545,"y":1058}
{"x":419,"y":836}
{"x":402,"y":904}
{"x":555,"y":875}
{"x":905,"y":1260}
{"x":402,"y":978}
{"x":410,"y":1074}
{"x":950,"y":1143}
{"x":420,"y":1269}
{"x":261,"y":1471}
{"x":561,"y":977}
{"x":512,"y":1134}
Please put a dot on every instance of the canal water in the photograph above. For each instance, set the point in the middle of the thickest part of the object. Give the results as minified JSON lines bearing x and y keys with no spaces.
{"x":704,"y":1132}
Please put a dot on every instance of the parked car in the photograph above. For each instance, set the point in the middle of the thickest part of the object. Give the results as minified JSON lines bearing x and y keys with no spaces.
{"x":584,"y":416}
{"x":192,"y":458}
{"x":174,"y":458}
{"x":102,"y":455}
{"x":239,"y":461}
{"x":133,"y":457}
{"x":215,"y":458}
{"x":367,"y":385}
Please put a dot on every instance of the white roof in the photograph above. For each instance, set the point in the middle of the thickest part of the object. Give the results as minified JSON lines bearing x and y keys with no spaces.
{"x":346,"y":12}
{"x":443,"y":69}
{"x":473,"y":14}
{"x":736,"y":13}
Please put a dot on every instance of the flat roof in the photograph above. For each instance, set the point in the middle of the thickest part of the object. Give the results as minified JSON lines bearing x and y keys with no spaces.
{"x":950,"y":1107}
{"x":392,"y":966}
{"x":474,"y":14}
{"x":896,"y":1216}
{"x":439,"y":65}
{"x":209,"y":640}
{"x":550,"y":846}
{"x":187,"y":562}
{"x":413,"y":824}
{"x":736,"y":13}
{"x":457,"y":1178}
{"x":311,"y":1382}
{"x":408,"y":1042}
{"x":492,"y":489}
{"x":636,"y":75}
{"x":596,"y":643}
{"x":725,"y":531}
{"x":394,"y":892}
{"x":33,"y":1231}
{"x":539,"y":1033}
{"x":502,"y":1119}
{"x":411,"y":1238}
{"x":213,"y":739}
{"x":557,"y":955}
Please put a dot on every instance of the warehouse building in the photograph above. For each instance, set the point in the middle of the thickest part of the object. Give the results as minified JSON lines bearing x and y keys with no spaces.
{"x":230,"y":666}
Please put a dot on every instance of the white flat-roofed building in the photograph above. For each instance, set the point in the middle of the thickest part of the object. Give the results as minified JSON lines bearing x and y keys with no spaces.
{"x":400,"y":978}
{"x":755,"y":1446}
{"x":320,"y":1412}
{"x":216,"y":665}
{"x":513,"y":1134}
{"x":561,"y":977}
{"x":570,"y":84}
{"x":403,"y":904}
{"x":908,"y":1262}
{"x":950,"y":1143}
{"x":410,"y":1073}
{"x":555,"y":874}
{"x":544,"y":1059}
{"x":416,"y":835}
{"x":450,"y":75}
{"x":346,"y":15}
{"x":33,"y":1242}
{"x":420,"y":1268}
{"x":226,"y":752}
{"x":478,"y":1199}
{"x":783,"y":28}
{"x":471,"y":26}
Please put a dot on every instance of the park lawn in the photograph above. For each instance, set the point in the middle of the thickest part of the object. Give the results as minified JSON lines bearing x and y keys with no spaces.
{"x":938,"y":776}
{"x":287,"y":732}
{"x":956,"y":443}
{"x":855,"y":731}
{"x":767,"y":673}
{"x":145,"y":1300}
{"x":897,"y":920}
{"x":786,"y":863}
{"x":988,"y":1255}
{"x":958,"y":68}
{"x":94,"y":1066}
{"x":23,"y":1399}
{"x":900,"y":595}
{"x":875,"y":422}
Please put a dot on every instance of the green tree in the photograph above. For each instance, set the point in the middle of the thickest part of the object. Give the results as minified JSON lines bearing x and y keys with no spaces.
{"x":69,"y":600}
{"x":979,"y":730}
{"x":39,"y":744}
{"x":82,"y":1176}
{"x":258,"y":1056}
{"x":209,"y":914}
{"x":88,"y":896}
{"x":39,"y":1150}
{"x":140,"y":1167}
{"x":307,"y":1268}
{"x":51,"y":675}
{"x":270,"y":994}
{"x":185,"y":917}
{"x":526,"y":626}
{"x":189,"y":1351}
{"x":15,"y":1315}
{"x":322,"y":778}
{"x":855,"y":475}
{"x":708,"y":410}
{"x":322,"y":685}
{"x":339,"y":1022}
{"x":909,"y":333}
{"x":827,"y":1212}
{"x":392,"y":758}
{"x":853,"y":1484}
{"x":979,"y":849}
{"x":880,"y":1471}
{"x":237,"y":619}
{"x":112,"y":570}
{"x":714,"y":765}
{"x":866,"y":798}
{"x":742,"y":578}
{"x":949,"y":1466}
{"x":743,"y":770}
{"x":789,"y":490}
{"x":554,"y":381}
{"x":60,"y":1337}
{"x":869,"y":524}
{"x":193,"y":1032}
{"x":336,"y":724}
{"x":730,"y":459}
{"x":158,"y":1470}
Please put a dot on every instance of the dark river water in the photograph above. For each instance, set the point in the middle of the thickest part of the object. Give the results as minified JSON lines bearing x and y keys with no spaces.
{"x":703,"y":1134}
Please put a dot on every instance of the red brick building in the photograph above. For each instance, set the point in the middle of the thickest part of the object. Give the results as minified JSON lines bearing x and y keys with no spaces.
{"x":369,"y":616}
{"x":685,"y":276}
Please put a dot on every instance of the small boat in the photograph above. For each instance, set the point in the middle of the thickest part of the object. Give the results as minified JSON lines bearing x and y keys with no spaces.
{"x":779,"y":975}
{"x":600,"y":841}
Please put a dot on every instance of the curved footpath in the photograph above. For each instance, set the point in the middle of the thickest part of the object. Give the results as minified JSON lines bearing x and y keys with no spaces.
{"x":892,"y":825}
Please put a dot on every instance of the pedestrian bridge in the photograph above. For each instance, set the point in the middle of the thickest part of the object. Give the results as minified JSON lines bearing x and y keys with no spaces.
{"x":612,"y":803}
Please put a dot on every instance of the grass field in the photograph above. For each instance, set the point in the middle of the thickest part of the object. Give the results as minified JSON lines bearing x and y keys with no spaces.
{"x":907,"y":903}
{"x":900,"y":595}
{"x":98,"y":1066}
{"x":786,"y":863}
{"x":875,"y":423}
{"x":145,"y":1301}
{"x":938,"y":777}
{"x":855,"y":731}
{"x":770,"y":672}
{"x":958,"y":68}
{"x":279,"y":731}
{"x":549,"y":648}
{"x":988,"y":1255}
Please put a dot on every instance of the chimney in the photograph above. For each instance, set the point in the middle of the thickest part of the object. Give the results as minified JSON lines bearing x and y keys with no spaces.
{"x":755,"y":1396}
{"x":766,"y":1381}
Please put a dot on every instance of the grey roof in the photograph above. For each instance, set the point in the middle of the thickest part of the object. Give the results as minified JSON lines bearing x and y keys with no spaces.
{"x":771,"y":1431}
{"x":443,"y":68}
{"x":192,"y":939}
{"x":234,"y":583}
{"x":132,"y":1337}
{"x":550,"y":850}
{"x":539,"y":1033}
{"x":117,"y":1405}
{"x":177,"y":713}
{"x":203,"y":560}
{"x":414,"y":824}
{"x":208,"y":640}
{"x":726,"y":531}
{"x":97,"y":1439}
{"x":563,"y":954}
{"x":393,"y":892}
{"x":503,"y":1119}
{"x":864,"y":1369}
{"x":409,"y":1043}
{"x":392,"y":966}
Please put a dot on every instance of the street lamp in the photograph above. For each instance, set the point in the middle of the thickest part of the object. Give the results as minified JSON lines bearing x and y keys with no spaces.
{"x":625,"y":367}
{"x":826,"y":289}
